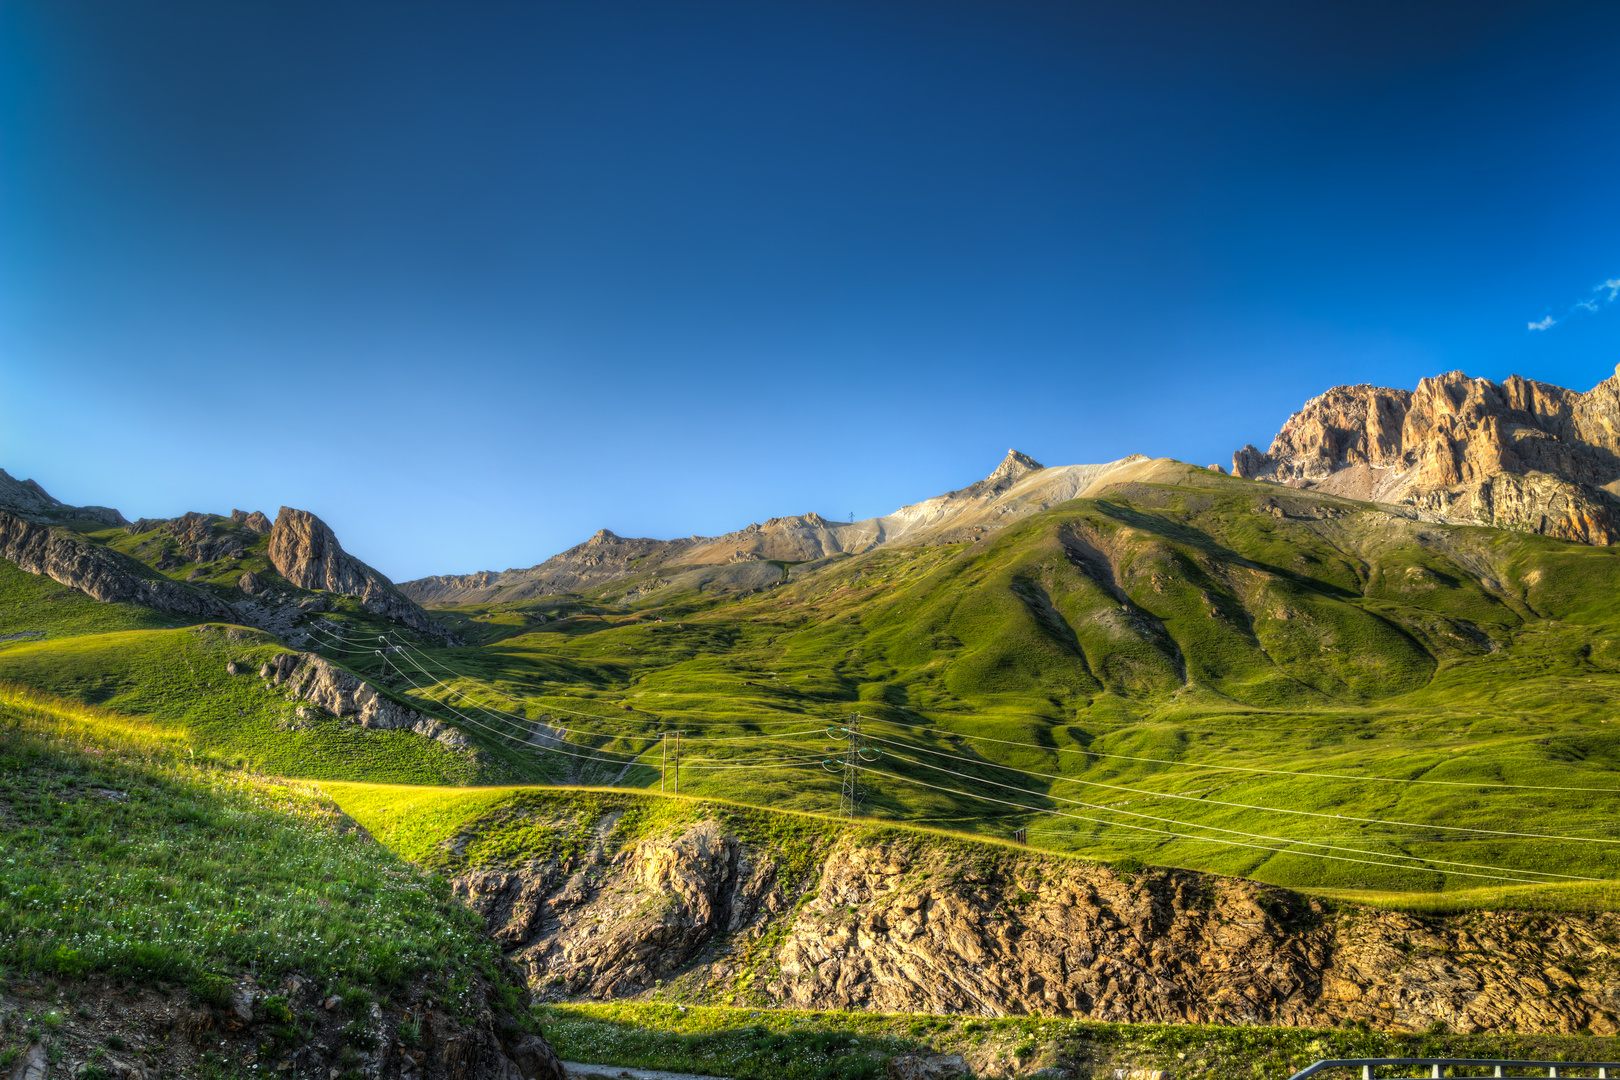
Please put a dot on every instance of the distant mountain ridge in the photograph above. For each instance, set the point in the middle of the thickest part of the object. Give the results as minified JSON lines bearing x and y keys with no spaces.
{"x":1522,"y":455}
{"x":1018,"y":487}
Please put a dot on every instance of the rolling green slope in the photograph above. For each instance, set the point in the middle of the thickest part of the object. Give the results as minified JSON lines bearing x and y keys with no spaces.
{"x":175,"y":682}
{"x":125,"y":858}
{"x":1133,"y":641}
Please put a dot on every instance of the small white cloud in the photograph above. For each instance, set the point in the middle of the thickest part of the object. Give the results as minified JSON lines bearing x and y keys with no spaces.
{"x":1606,"y":294}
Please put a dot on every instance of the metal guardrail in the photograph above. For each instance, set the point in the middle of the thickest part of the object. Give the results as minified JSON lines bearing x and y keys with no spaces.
{"x":1546,"y":1070}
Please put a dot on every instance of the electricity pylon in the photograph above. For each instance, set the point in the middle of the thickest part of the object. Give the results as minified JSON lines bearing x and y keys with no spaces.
{"x":851,"y":756}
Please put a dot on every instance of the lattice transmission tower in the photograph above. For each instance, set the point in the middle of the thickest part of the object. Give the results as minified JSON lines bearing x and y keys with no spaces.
{"x":851,"y":756}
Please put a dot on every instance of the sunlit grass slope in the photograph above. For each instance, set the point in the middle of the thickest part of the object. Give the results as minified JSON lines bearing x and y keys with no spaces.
{"x":175,"y":681}
{"x":118,"y":855}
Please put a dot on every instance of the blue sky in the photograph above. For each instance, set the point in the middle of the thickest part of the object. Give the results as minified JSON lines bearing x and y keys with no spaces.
{"x":472,"y":281}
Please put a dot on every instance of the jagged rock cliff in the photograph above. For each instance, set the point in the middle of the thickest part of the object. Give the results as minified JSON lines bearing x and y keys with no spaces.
{"x":1521,"y":455}
{"x":306,"y":552}
{"x":100,"y":572}
{"x":899,"y":922}
{"x":346,"y":696}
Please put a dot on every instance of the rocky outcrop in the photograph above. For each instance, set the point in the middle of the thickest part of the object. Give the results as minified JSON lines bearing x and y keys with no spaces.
{"x":909,"y":924}
{"x":28,"y":500}
{"x":306,"y":552}
{"x":254,"y":522}
{"x":100,"y":572}
{"x":1521,"y":455}
{"x":703,"y":882}
{"x":346,"y":696}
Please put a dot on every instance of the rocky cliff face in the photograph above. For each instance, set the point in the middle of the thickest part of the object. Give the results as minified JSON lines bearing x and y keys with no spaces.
{"x":306,"y":552}
{"x":346,"y":696}
{"x":1521,"y":455}
{"x":99,"y":572}
{"x":911,"y":924}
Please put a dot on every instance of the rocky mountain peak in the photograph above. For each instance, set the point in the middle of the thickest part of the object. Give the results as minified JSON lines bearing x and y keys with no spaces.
{"x":306,"y":552}
{"x":1015,"y":465}
{"x":255,"y":521}
{"x":602,"y":537}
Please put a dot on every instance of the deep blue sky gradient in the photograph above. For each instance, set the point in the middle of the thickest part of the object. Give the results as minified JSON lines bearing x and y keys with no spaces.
{"x":473,"y":280}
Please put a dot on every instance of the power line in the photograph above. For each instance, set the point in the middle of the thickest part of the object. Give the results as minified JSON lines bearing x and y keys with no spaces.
{"x":1238,"y":832}
{"x":521,"y":744}
{"x":1243,"y":806}
{"x":852,"y":792}
{"x":1244,"y":768}
{"x":1183,"y":836}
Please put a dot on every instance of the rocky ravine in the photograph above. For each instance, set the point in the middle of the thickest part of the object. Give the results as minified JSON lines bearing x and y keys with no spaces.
{"x":896,"y":922}
{"x":1521,"y":455}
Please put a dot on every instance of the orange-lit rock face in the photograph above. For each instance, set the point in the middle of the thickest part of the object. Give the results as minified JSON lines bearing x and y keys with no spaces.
{"x":1450,"y":446}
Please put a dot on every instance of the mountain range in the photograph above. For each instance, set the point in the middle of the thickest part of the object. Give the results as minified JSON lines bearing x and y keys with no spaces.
{"x":1520,"y":455}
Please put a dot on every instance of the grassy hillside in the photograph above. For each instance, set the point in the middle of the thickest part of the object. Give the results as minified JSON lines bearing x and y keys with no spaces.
{"x":1136,"y":641}
{"x":176,"y":681}
{"x":752,"y":1044}
{"x":122,"y":857}
{"x":1205,"y":672}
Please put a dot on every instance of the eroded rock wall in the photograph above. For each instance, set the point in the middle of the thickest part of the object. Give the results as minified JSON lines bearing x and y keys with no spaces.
{"x":913,"y":924}
{"x":346,"y":696}
{"x":100,"y":572}
{"x":1521,"y":455}
{"x":306,"y":552}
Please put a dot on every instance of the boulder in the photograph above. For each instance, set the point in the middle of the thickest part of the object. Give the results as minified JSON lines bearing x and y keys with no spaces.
{"x":535,"y":1059}
{"x":32,"y":1065}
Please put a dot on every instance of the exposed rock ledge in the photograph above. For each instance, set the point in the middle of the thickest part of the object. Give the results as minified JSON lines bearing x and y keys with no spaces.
{"x":100,"y":572}
{"x":909,"y":924}
{"x":346,"y":696}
